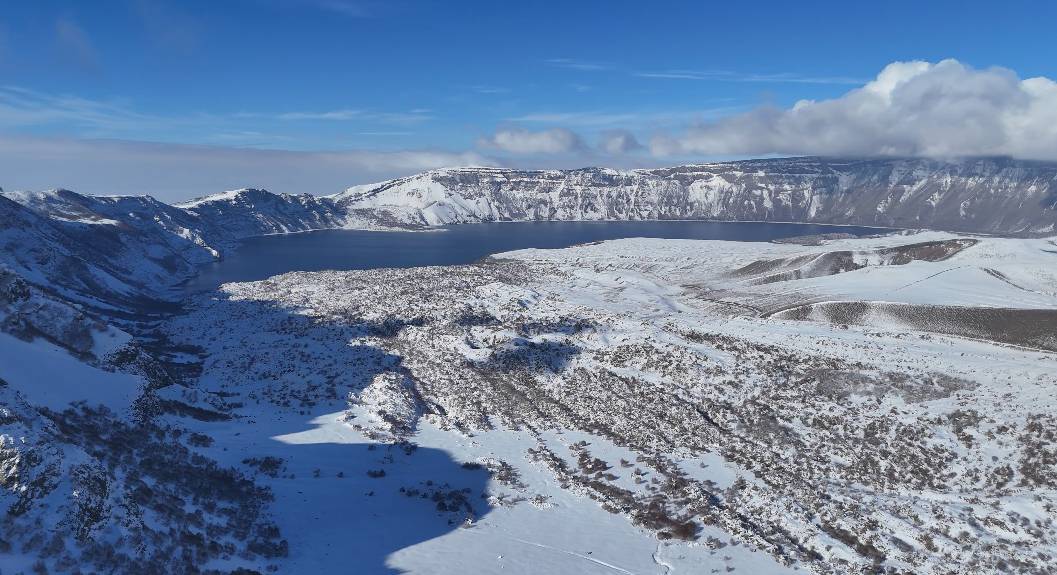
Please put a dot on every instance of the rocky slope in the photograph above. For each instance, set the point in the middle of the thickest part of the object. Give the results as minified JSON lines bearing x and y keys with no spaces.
{"x":985,"y":195}
{"x":654,"y":380}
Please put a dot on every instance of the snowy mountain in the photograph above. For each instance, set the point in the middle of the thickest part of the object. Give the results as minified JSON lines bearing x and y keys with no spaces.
{"x":121,"y":250}
{"x":984,"y":195}
{"x":249,"y":212}
{"x":109,"y":252}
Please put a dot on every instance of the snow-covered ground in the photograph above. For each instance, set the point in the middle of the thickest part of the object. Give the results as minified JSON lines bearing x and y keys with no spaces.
{"x":646,"y":406}
{"x":633,"y":406}
{"x":48,"y":376}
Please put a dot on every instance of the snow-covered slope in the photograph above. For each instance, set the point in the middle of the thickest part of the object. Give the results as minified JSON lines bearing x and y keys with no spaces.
{"x":651,"y":406}
{"x":249,"y":212}
{"x":984,"y":195}
{"x":90,"y":481}
{"x":112,"y":252}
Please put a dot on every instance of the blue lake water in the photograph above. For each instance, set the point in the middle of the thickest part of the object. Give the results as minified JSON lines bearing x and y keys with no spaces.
{"x":262,"y":257}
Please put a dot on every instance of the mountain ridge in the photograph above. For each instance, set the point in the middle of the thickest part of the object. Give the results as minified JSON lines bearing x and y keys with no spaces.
{"x":121,"y":248}
{"x":984,"y":195}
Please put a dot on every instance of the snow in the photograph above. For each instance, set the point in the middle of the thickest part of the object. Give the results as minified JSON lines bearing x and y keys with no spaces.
{"x":593,"y":380}
{"x":48,"y":376}
{"x":321,"y":516}
{"x":218,"y":197}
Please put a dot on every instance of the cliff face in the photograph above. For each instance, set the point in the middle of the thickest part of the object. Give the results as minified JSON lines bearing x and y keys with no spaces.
{"x":986,"y":195}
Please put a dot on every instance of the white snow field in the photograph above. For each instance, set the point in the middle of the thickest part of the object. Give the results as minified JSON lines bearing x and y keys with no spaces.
{"x":648,"y":406}
{"x":639,"y":406}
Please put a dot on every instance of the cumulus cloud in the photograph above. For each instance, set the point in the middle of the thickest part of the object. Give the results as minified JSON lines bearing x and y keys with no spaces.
{"x":526,"y":142}
{"x":944,"y":109}
{"x":174,"y":172}
{"x":618,"y":142}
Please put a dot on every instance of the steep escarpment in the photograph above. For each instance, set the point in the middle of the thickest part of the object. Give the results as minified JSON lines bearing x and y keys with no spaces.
{"x":983,"y":195}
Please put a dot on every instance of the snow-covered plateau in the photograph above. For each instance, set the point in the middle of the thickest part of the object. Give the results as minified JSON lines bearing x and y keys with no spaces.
{"x":637,"y":406}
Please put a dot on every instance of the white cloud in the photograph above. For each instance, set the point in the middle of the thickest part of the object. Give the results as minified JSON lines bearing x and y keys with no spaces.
{"x":526,"y":142}
{"x":944,"y":109}
{"x":618,"y":142}
{"x":175,"y":172}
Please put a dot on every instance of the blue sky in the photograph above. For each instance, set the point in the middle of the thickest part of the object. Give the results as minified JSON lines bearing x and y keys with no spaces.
{"x":409,"y":85}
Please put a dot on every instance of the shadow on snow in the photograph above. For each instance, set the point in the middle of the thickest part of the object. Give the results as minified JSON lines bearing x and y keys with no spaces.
{"x":342,"y":504}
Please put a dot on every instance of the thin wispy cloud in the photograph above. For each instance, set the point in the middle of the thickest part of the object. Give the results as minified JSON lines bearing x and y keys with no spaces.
{"x":411,"y":117}
{"x":710,"y":75}
{"x":20,"y":107}
{"x":623,"y":120}
{"x":166,"y":26}
{"x":32,"y":112}
{"x":338,"y":115}
{"x":577,"y":118}
{"x":573,"y":64}
{"x":485,"y":89}
{"x":73,"y":43}
{"x":347,"y":8}
{"x":729,"y":76}
{"x":353,"y":9}
{"x":3,"y":43}
{"x":179,"y":171}
{"x":246,"y":139}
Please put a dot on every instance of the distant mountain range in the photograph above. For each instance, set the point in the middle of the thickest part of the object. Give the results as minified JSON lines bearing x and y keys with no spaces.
{"x":102,"y":250}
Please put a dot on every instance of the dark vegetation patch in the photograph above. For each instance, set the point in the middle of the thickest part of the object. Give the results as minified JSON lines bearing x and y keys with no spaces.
{"x":1035,"y":328}
{"x":179,"y":510}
